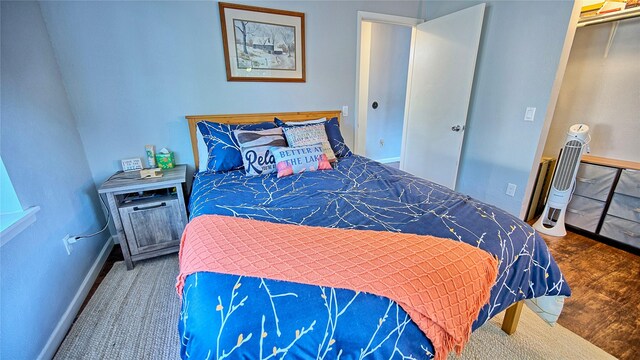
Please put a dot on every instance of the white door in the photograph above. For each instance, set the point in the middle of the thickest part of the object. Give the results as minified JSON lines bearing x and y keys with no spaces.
{"x":439,"y":89}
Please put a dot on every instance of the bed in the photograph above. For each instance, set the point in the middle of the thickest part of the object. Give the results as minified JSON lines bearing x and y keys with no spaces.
{"x":231,"y":316}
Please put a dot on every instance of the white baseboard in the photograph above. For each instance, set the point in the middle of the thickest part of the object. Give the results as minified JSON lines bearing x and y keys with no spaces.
{"x":388,"y":160}
{"x":58,"y":334}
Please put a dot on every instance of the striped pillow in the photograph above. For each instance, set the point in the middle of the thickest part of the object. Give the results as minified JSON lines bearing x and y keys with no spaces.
{"x":254,"y":146}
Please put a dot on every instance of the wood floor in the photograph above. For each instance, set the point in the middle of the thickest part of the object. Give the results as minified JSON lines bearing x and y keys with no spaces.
{"x":605,"y":281}
{"x":605,"y":304}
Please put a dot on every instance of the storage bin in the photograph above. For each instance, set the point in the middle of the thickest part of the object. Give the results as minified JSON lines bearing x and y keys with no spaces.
{"x":622,"y":230}
{"x":625,"y":207}
{"x":584,"y":213}
{"x":629,"y":183}
{"x":594,"y":181}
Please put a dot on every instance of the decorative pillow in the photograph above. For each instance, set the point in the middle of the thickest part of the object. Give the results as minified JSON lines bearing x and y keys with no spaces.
{"x":223,"y":149}
{"x":335,"y":138}
{"x":309,"y":135}
{"x":298,"y":123}
{"x":294,"y":160}
{"x":332,"y":127}
{"x":255,"y":146}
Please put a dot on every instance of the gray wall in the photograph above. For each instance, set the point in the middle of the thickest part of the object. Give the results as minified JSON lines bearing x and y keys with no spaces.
{"x":390,"y":45}
{"x":44,"y":157}
{"x":519,"y":53}
{"x":603,"y":93}
{"x":133,"y":70}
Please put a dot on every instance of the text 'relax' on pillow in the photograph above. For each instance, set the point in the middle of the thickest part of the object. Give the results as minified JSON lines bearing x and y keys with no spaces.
{"x":223,"y":150}
{"x":309,"y":135}
{"x":294,"y":160}
{"x":255,"y":145}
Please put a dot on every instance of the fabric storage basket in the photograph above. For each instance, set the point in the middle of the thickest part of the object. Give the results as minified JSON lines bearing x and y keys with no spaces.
{"x":625,"y":231}
{"x":584,"y":213}
{"x":594,"y":181}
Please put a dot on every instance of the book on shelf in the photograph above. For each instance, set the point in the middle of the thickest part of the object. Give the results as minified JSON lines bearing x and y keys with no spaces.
{"x":590,"y":5}
{"x":632,"y":4}
{"x":587,"y":14}
{"x":611,"y":6}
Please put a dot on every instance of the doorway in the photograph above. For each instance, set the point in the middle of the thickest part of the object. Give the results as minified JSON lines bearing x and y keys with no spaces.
{"x":389,"y":46}
{"x":381,"y":34}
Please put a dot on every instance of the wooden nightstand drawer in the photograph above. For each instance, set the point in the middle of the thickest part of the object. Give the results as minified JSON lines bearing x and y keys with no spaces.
{"x":152,"y":225}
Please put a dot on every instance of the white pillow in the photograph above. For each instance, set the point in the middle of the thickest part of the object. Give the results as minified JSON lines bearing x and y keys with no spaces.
{"x":203,"y":152}
{"x":308,"y":122}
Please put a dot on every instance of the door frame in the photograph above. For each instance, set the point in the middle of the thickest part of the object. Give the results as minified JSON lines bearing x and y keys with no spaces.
{"x":551,"y":107}
{"x":363,"y":52}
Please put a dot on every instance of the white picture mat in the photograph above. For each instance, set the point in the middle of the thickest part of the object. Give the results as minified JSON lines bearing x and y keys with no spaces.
{"x":294,"y":21}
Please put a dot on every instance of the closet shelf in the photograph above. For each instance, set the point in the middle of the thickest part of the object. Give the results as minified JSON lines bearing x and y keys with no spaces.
{"x":614,"y":16}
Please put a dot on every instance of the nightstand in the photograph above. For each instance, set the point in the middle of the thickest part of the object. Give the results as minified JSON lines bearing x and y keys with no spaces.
{"x":149,"y":214}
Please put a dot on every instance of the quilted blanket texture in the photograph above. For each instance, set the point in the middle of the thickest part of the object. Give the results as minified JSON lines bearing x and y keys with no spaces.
{"x":442,"y":284}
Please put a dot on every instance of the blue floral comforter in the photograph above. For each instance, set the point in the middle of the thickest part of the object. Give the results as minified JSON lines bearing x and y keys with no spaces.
{"x":228,"y":316}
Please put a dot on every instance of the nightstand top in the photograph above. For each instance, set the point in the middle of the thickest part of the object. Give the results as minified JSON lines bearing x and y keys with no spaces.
{"x":131,"y":181}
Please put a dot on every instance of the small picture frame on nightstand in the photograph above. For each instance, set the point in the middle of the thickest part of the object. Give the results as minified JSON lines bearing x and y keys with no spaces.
{"x":132,"y":164}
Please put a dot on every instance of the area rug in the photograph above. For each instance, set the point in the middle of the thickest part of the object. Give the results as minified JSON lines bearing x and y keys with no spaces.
{"x":134,"y":315}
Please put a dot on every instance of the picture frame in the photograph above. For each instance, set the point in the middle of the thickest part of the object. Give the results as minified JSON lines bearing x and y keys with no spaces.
{"x":131,"y":164}
{"x":262,"y":44}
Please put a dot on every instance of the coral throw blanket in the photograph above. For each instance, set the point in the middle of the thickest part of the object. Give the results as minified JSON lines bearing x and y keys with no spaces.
{"x":440,"y":283}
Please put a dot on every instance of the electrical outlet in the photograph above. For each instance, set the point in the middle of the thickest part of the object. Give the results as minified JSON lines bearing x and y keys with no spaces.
{"x":511,"y":189}
{"x":68,"y":241}
{"x":530,"y":114}
{"x":381,"y":142}
{"x":67,"y":244}
{"x":345,"y":110}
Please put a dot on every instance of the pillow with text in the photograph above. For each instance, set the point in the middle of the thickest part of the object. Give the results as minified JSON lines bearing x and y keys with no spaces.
{"x":309,"y":135}
{"x":332,"y":128}
{"x":294,"y":160}
{"x":255,"y":145}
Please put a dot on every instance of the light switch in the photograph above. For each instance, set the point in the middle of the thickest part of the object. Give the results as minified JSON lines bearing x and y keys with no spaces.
{"x":511,"y":189}
{"x":530,"y":114}
{"x":345,"y":110}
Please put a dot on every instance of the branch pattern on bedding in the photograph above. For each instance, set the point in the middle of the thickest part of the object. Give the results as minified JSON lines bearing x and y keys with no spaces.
{"x":363,"y":194}
{"x":299,"y":321}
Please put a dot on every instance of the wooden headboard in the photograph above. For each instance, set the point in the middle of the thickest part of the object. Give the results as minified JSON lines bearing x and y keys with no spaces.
{"x":251,"y":119}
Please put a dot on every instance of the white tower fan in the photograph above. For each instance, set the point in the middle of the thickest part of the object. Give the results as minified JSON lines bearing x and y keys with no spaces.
{"x":551,"y":222}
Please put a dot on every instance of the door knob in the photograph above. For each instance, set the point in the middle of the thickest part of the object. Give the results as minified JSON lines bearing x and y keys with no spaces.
{"x":457,"y":128}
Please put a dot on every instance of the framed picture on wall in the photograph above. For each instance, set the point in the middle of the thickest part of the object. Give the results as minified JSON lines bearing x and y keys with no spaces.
{"x":262,"y":44}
